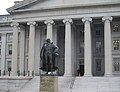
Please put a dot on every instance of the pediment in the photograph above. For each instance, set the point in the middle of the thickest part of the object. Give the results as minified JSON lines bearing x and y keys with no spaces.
{"x":51,"y":4}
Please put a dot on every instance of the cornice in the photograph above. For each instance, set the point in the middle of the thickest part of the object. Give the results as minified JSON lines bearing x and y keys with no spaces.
{"x":21,"y":4}
{"x":14,"y":8}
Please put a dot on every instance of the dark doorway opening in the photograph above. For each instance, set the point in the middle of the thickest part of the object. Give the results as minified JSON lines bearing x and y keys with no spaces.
{"x":80,"y":71}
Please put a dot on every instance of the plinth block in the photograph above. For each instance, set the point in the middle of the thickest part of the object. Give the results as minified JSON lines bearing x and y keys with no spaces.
{"x":48,"y":83}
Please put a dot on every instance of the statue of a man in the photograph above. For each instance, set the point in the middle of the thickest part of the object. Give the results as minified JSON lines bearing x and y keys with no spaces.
{"x":48,"y":54}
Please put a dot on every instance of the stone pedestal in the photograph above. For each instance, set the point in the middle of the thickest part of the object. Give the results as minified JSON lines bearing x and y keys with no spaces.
{"x":48,"y":83}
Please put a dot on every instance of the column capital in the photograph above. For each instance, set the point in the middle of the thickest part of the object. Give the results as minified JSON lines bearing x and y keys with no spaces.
{"x":89,"y":19}
{"x":16,"y":24}
{"x":31,"y":23}
{"x":107,"y":18}
{"x":49,"y":21}
{"x":67,"y":20}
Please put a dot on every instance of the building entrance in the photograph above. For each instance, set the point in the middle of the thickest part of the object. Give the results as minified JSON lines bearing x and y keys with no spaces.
{"x":81,"y":70}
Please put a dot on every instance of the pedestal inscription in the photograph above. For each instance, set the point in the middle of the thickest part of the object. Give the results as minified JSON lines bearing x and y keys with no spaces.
{"x":48,"y":84}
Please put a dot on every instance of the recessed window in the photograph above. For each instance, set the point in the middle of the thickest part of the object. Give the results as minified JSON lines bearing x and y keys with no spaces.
{"x":97,"y":33}
{"x":98,"y":64}
{"x":98,"y":47}
{"x":10,"y":49}
{"x":116,"y":28}
{"x":116,"y":44}
{"x":9,"y":37}
{"x":9,"y":65}
{"x":116,"y":64}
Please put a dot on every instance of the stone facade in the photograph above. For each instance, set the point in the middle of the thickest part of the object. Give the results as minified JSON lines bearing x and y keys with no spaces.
{"x":86,"y":32}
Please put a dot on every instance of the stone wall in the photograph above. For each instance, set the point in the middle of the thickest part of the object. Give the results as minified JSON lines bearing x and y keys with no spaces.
{"x":12,"y":84}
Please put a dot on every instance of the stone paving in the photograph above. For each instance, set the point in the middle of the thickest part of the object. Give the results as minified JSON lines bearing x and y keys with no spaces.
{"x":79,"y":84}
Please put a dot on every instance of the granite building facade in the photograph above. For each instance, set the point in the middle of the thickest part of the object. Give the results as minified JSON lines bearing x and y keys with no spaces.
{"x":86,"y":32}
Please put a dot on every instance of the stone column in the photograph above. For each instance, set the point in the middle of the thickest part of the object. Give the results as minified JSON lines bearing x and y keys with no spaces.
{"x":37,"y":50}
{"x":31,"y":57}
{"x":108,"y":45}
{"x":49,"y":24}
{"x":15,"y":49}
{"x":68,"y":46}
{"x":55,"y":35}
{"x":3,"y":51}
{"x":87,"y":47}
{"x":22,"y":49}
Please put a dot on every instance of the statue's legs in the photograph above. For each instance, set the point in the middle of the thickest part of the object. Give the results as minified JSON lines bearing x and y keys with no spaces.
{"x":51,"y":64}
{"x":46,"y":63}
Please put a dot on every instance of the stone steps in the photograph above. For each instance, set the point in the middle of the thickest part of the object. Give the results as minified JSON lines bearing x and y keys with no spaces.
{"x":96,"y":84}
{"x":79,"y":84}
{"x":32,"y":85}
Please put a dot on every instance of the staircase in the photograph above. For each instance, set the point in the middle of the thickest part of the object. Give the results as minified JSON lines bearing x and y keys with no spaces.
{"x":32,"y":85}
{"x":78,"y":84}
{"x":96,"y":84}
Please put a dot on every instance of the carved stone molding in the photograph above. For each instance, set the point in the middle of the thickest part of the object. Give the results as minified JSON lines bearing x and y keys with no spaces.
{"x":16,"y":24}
{"x":67,"y":20}
{"x":31,"y":23}
{"x":88,"y":19}
{"x":49,"y":21}
{"x":107,"y":18}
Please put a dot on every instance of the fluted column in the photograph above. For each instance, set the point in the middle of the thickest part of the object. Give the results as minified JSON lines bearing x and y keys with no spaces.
{"x":31,"y":57}
{"x":3,"y":50}
{"x":87,"y":47}
{"x":22,"y":50}
{"x":108,"y":45}
{"x":68,"y":54}
{"x":49,"y":24}
{"x":15,"y":49}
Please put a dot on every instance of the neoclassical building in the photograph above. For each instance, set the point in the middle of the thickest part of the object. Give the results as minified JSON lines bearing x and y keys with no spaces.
{"x":87,"y":33}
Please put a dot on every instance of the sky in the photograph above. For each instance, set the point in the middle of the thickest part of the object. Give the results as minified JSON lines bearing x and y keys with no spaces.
{"x":4,"y":4}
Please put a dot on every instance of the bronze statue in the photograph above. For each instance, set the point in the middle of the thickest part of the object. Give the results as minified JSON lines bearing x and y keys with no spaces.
{"x":48,"y":55}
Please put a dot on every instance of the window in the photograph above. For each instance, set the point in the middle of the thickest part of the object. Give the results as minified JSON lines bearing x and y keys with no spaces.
{"x":97,"y":33}
{"x":98,"y":64}
{"x":116,"y":28}
{"x":9,"y":65}
{"x":10,"y":49}
{"x":98,"y":46}
{"x":116,"y":44}
{"x":9,"y":37}
{"x":116,"y":64}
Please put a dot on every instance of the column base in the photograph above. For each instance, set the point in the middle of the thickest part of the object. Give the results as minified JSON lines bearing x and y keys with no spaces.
{"x":88,"y":75}
{"x":30,"y":73}
{"x":68,"y":75}
{"x":108,"y":75}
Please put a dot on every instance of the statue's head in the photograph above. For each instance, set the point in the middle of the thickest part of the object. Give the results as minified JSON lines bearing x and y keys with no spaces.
{"x":48,"y":40}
